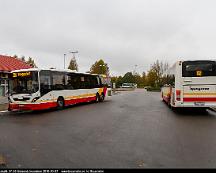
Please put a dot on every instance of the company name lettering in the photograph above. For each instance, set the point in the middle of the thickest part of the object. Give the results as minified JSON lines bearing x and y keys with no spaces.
{"x":199,"y":89}
{"x":23,"y":74}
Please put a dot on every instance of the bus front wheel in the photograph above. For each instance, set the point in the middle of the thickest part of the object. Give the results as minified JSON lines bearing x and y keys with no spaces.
{"x":60,"y":103}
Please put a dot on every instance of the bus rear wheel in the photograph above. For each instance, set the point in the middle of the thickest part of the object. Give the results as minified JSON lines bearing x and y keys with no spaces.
{"x":60,"y":103}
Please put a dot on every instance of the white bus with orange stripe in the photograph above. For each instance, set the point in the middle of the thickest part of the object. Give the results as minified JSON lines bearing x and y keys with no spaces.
{"x":35,"y":89}
{"x":191,"y":84}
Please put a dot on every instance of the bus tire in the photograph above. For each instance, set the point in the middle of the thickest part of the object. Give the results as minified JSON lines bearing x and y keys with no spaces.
{"x":60,"y":103}
{"x":101,"y":98}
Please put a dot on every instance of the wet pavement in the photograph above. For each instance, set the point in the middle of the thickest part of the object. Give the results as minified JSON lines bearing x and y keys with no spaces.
{"x":131,"y":130}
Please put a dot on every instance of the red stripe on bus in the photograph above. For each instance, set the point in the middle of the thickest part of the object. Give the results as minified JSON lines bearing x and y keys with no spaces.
{"x":48,"y":105}
{"x":105,"y":91}
{"x":213,"y":99}
{"x":76,"y":101}
{"x":32,"y":107}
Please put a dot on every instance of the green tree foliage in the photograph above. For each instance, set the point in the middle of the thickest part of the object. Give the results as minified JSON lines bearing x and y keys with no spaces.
{"x":73,"y":64}
{"x":152,"y":78}
{"x":144,"y":80}
{"x":15,"y":56}
{"x":100,"y":67}
{"x":23,"y":58}
{"x":155,"y":74}
{"x":128,"y":78}
{"x":31,"y":62}
{"x":114,"y":79}
{"x":138,"y":80}
{"x":119,"y":82}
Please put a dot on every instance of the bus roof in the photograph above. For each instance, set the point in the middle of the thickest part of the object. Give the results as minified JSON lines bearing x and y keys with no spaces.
{"x":51,"y":69}
{"x":171,"y":69}
{"x":195,"y":60}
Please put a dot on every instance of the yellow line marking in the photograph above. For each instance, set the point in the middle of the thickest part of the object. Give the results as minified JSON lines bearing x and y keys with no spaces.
{"x":208,"y":94}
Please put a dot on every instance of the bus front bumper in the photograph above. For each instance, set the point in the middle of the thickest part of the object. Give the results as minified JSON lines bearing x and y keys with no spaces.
{"x":195,"y":104}
{"x":30,"y":106}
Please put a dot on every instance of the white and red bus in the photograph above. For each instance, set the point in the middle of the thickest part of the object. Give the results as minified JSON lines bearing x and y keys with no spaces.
{"x":37,"y":89}
{"x":191,"y":84}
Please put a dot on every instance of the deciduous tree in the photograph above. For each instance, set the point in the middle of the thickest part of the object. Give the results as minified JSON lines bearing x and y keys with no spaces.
{"x":73,"y":64}
{"x":100,"y":67}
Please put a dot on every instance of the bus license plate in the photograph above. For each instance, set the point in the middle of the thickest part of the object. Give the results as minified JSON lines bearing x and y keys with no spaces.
{"x":199,"y":103}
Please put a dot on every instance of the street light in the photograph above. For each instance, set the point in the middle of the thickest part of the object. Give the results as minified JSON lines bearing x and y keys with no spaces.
{"x":73,"y":56}
{"x":135,"y":69}
{"x":64,"y":59}
{"x":74,"y":52}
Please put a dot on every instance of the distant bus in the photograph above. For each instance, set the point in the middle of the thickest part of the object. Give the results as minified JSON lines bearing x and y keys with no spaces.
{"x":38,"y":89}
{"x":191,"y":84}
{"x":129,"y":85}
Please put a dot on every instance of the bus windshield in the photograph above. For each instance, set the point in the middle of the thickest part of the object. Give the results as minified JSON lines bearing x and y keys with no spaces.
{"x":198,"y":68}
{"x":24,"y":83}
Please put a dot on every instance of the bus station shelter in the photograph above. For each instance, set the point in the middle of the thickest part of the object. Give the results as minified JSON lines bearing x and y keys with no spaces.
{"x":8,"y":64}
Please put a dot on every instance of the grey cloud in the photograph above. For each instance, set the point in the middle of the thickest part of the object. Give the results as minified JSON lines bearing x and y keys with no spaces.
{"x":123,"y":32}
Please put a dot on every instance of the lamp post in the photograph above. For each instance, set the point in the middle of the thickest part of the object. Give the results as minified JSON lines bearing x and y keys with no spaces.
{"x":74,"y":52}
{"x":135,"y":69}
{"x":64,"y":59}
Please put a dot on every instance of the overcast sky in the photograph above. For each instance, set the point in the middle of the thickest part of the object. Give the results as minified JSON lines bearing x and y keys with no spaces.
{"x":122,"y":32}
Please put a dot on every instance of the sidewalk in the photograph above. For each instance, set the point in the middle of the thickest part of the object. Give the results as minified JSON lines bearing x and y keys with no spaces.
{"x":3,"y":103}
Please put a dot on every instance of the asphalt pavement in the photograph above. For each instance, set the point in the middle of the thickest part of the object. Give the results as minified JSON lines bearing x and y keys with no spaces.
{"x":130,"y":130}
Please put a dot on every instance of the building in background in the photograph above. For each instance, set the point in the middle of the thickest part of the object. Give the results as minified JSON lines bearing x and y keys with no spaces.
{"x":8,"y":64}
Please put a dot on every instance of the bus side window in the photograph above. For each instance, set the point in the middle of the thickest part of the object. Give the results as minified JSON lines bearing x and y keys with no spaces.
{"x":93,"y":82}
{"x":98,"y":83}
{"x":82,"y":82}
{"x":58,"y":80}
{"x":69,"y":82}
{"x":87,"y":82}
{"x":45,"y":82}
{"x":76,"y":83}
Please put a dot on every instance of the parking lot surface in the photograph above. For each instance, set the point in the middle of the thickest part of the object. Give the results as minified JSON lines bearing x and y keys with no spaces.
{"x":133,"y":129}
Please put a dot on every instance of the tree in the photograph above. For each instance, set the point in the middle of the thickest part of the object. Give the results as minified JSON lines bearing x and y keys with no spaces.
{"x":15,"y":56}
{"x":99,"y":67}
{"x":73,"y":64}
{"x":138,"y":80}
{"x":152,"y":78}
{"x":128,"y":78}
{"x":119,"y":82}
{"x":144,"y":79}
{"x":23,"y":58}
{"x":31,"y":62}
{"x":155,"y":76}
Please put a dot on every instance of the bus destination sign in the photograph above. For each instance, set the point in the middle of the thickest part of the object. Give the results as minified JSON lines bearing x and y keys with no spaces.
{"x":22,"y":74}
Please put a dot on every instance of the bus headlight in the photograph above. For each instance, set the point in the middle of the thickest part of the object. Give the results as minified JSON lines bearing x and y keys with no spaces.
{"x":34,"y":100}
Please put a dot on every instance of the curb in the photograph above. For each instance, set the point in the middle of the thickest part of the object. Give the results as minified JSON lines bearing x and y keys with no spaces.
{"x":2,"y":113}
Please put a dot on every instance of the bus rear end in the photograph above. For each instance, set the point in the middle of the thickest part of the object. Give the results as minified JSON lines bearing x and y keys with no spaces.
{"x":198,"y":84}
